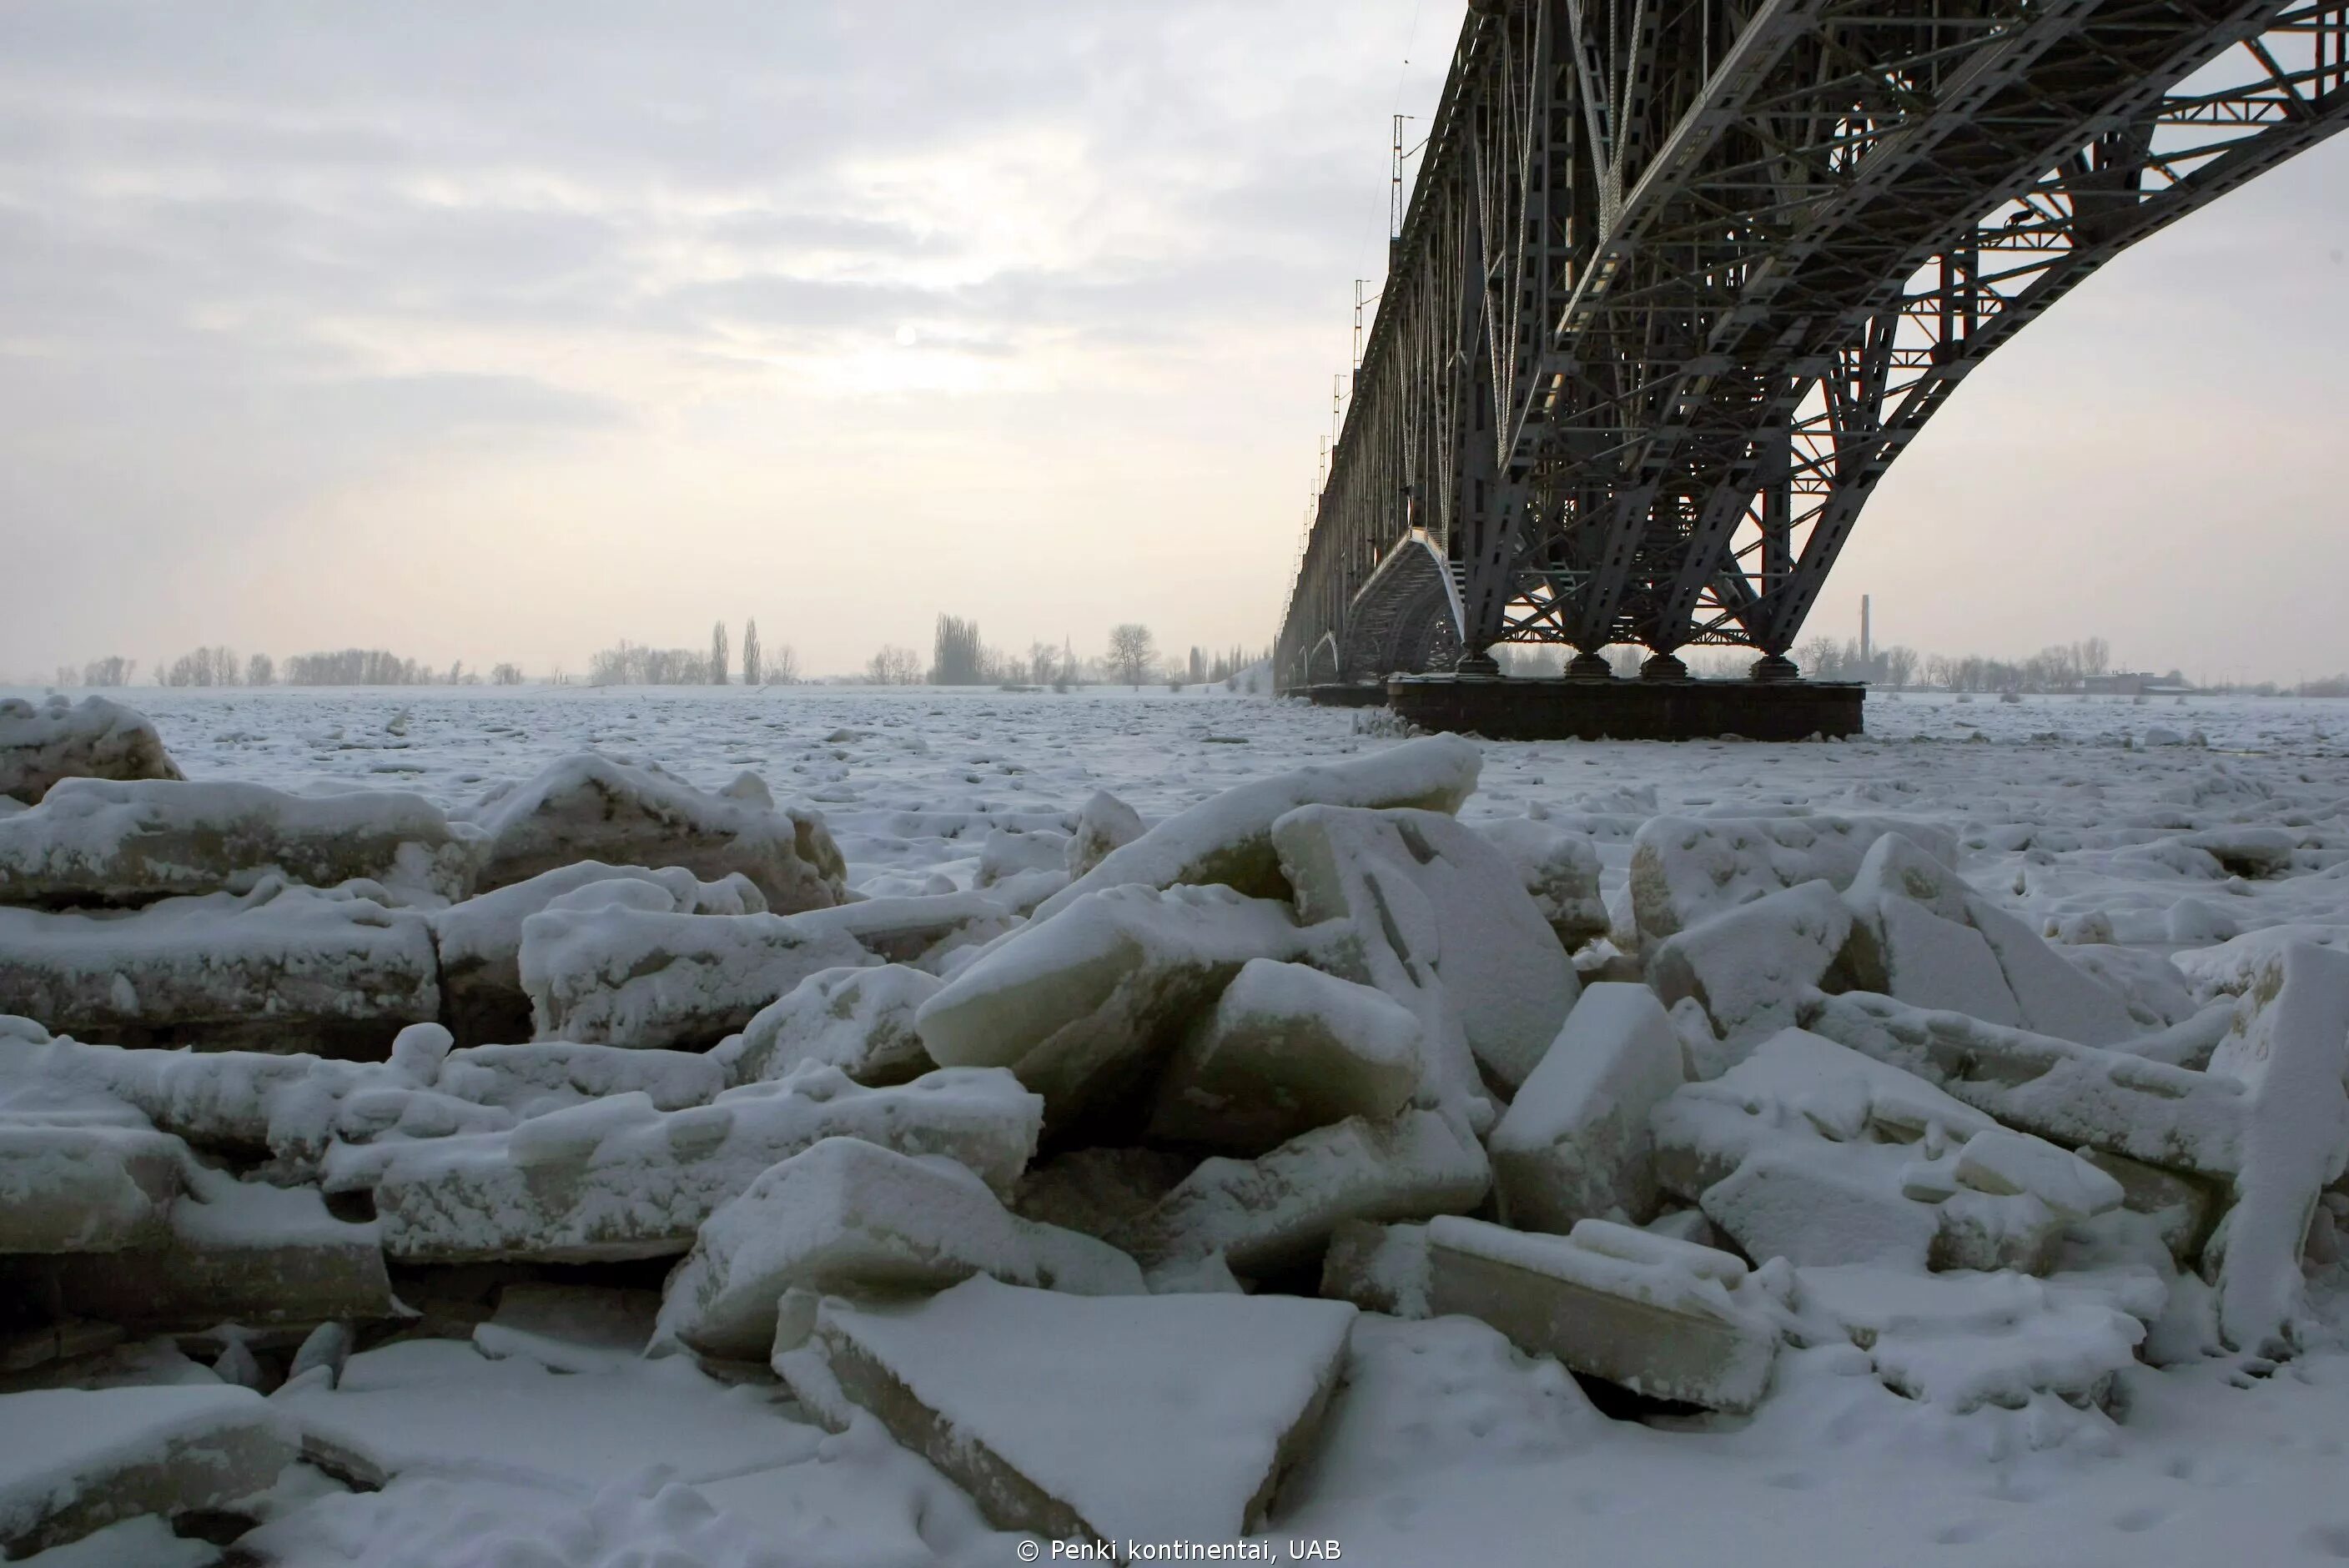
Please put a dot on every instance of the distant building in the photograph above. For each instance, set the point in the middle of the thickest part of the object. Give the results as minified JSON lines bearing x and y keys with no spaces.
{"x":2137,"y":683}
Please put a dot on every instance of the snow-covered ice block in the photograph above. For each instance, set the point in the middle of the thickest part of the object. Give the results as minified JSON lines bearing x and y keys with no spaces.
{"x":847,"y":1216}
{"x":1964,"y":1340}
{"x":1277,"y":1212}
{"x":1910,"y":938}
{"x":1923,"y":935}
{"x":247,"y":1105}
{"x":2053,"y":995}
{"x":1685,"y":869}
{"x":1662,"y":1317}
{"x":1448,"y":903}
{"x":616,"y":1179}
{"x":595,"y":808}
{"x":1810,"y":1151}
{"x":550,"y":1074}
{"x":237,"y":1251}
{"x":1813,"y":1202}
{"x":99,"y":841}
{"x":1379,"y":1268}
{"x":1575,"y":1143}
{"x":1085,"y":1008}
{"x":1104,"y":825}
{"x":2069,"y":1094}
{"x":1057,"y":1414}
{"x":2003,"y":1162}
{"x":86,"y":1189}
{"x":1228,"y":839}
{"x":1285,"y":1050}
{"x":280,"y":968}
{"x":1561,"y":870}
{"x":1749,"y":967}
{"x":858,"y":1020}
{"x":59,"y":739}
{"x":2290,"y":1049}
{"x":75,"y":1460}
{"x":653,"y":977}
{"x":479,"y":940}
{"x":631,"y":974}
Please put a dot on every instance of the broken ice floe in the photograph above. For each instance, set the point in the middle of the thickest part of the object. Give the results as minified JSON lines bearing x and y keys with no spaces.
{"x":985,"y":1170}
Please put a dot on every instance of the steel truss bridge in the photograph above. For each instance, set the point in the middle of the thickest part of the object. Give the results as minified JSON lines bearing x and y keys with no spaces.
{"x":1680,"y":278}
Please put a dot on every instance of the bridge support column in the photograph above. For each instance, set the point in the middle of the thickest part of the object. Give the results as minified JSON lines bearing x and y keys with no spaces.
{"x":1589,"y":665}
{"x":1477,"y":664}
{"x":1774,"y":668}
{"x":1664,"y":665}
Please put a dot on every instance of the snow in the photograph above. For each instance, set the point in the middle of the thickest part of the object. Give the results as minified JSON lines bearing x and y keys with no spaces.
{"x":1446,"y":1445}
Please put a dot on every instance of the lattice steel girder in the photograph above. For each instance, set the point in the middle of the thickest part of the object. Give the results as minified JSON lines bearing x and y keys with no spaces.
{"x":1677,"y":283}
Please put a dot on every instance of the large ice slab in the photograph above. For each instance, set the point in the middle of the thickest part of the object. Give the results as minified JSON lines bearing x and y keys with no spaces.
{"x":1085,"y":1008}
{"x":850,"y":1216}
{"x":237,"y":1251}
{"x":1685,"y":868}
{"x":637,"y":977}
{"x":2290,"y":1048}
{"x":277,"y":969}
{"x":2066,"y":1092}
{"x":1965,"y":1340}
{"x":479,"y":940}
{"x":99,"y":841}
{"x":1277,"y":1212}
{"x":616,"y":1179}
{"x":1923,"y":935}
{"x":1448,"y":905}
{"x":609,"y":962}
{"x":73,"y":1461}
{"x":1819,"y":1154}
{"x":1285,"y":1050}
{"x":858,"y":1020}
{"x":1233,"y":1385}
{"x":1228,"y":839}
{"x":590,"y":807}
{"x":1658,"y":1316}
{"x":1750,"y":966}
{"x":1561,"y":870}
{"x":66,"y":1187}
{"x":60,"y":739}
{"x":1575,"y":1143}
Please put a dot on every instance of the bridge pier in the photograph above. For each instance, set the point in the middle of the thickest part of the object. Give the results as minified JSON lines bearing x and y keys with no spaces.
{"x":1657,"y":707}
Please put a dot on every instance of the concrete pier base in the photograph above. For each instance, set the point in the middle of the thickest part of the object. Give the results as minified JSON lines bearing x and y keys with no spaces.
{"x":1353,"y":695}
{"x":1648,"y":709}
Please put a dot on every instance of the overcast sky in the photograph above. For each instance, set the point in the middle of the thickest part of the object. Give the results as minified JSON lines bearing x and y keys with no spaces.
{"x":503,"y":331}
